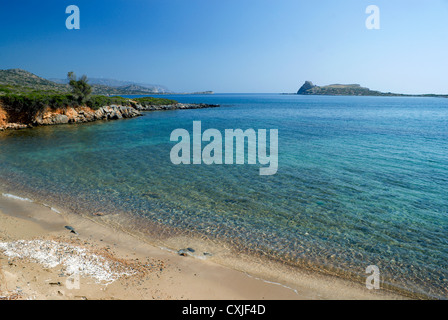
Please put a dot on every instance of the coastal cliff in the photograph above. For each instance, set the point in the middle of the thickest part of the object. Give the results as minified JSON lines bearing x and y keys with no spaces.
{"x":83,"y":114}
{"x":67,"y":115}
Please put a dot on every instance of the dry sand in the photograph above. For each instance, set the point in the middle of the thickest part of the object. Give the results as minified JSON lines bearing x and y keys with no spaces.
{"x":41,"y":259}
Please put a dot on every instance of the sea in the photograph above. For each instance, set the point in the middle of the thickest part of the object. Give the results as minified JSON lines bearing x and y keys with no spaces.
{"x":361,"y":181}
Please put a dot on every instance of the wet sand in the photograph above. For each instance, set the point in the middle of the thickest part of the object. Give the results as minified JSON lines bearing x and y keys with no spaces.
{"x":154,"y":273}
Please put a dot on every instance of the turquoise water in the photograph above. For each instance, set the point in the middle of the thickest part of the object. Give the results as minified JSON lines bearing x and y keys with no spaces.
{"x":361,"y":180}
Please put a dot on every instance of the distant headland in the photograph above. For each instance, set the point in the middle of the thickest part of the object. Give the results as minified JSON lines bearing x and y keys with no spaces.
{"x":308,"y":88}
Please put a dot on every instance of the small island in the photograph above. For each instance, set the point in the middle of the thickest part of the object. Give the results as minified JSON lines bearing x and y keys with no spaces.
{"x":308,"y":88}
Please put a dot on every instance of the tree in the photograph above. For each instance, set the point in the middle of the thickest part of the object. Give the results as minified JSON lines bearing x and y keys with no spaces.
{"x":81,"y":88}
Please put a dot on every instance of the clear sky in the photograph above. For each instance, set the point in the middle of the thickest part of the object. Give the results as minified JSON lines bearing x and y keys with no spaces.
{"x":233,"y":45}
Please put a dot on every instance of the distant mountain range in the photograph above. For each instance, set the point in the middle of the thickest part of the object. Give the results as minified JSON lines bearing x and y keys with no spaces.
{"x":18,"y":80}
{"x":308,"y":88}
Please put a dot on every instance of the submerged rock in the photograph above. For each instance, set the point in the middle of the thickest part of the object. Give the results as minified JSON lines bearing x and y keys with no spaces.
{"x":71,"y":229}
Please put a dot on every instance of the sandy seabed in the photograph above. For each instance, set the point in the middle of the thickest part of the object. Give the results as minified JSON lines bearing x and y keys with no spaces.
{"x":42,"y":259}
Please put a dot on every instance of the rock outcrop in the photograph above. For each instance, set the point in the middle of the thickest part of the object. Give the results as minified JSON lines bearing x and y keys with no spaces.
{"x":13,"y":126}
{"x":51,"y":118}
{"x":176,"y":106}
{"x":84,"y":114}
{"x":116,"y":112}
{"x":5,"y":125}
{"x":305,"y":89}
{"x":3,"y":117}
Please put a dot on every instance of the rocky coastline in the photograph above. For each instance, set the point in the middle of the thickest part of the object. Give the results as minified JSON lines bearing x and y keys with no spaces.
{"x":177,"y":106}
{"x":73,"y":115}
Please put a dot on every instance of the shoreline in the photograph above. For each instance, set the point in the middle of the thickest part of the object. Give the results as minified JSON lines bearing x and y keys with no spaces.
{"x":83,"y":114}
{"x":182,"y":277}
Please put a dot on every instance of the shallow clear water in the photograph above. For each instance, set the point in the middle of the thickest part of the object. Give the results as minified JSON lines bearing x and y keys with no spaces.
{"x":361,"y":180}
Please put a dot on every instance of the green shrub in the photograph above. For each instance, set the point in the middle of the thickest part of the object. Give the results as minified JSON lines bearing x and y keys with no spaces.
{"x":154,"y":101}
{"x":96,"y":102}
{"x":81,"y":88}
{"x":5,"y":89}
{"x":24,"y":107}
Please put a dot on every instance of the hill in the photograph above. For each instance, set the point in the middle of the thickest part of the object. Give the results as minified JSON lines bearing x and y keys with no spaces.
{"x":309,"y":88}
{"x":18,"y":80}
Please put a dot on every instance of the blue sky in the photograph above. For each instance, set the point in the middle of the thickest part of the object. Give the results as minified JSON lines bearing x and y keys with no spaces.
{"x":233,"y":45}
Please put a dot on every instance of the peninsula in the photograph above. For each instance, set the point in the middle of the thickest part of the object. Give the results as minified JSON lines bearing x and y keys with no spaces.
{"x":27,"y":100}
{"x":308,"y":88}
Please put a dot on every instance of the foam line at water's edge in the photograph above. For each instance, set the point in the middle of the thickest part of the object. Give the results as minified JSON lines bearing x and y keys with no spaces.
{"x":271,"y":282}
{"x":12,"y":196}
{"x":8,"y":195}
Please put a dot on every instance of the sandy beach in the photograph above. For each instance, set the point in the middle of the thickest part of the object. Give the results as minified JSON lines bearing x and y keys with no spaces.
{"x":49,"y":255}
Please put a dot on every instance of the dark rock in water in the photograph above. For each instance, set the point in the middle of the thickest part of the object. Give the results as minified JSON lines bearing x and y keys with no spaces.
{"x":55,"y":283}
{"x":71,"y":229}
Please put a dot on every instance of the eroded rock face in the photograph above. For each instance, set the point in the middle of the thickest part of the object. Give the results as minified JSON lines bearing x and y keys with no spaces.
{"x":3,"y":117}
{"x":84,"y":114}
{"x":5,"y":125}
{"x":50,"y":118}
